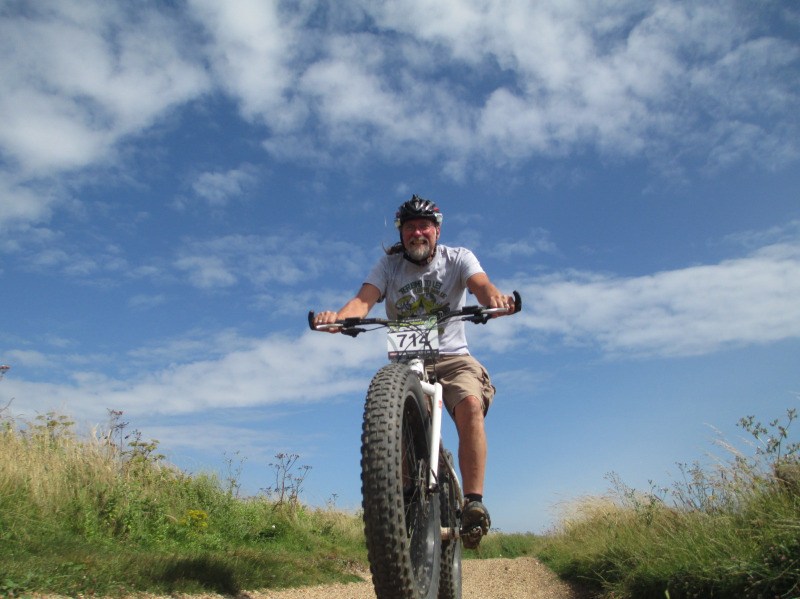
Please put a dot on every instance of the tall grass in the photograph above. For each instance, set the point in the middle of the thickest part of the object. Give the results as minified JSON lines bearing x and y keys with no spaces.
{"x":729,"y":530}
{"x":104,"y":514}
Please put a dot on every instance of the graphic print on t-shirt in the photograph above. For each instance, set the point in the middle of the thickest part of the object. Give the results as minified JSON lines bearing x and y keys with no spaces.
{"x":421,"y":297}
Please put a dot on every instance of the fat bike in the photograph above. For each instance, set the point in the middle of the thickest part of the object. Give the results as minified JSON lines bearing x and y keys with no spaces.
{"x":411,"y":494}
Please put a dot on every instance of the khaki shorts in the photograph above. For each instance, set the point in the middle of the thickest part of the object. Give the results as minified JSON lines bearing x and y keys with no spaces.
{"x":462,"y":376}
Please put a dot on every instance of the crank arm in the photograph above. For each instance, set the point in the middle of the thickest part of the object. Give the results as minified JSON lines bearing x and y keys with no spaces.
{"x":450,"y":534}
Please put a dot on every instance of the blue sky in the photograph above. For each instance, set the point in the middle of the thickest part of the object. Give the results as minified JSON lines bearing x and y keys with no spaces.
{"x":181,"y":182}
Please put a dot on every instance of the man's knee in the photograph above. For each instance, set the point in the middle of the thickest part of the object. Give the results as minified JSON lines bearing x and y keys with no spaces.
{"x":469,"y":409}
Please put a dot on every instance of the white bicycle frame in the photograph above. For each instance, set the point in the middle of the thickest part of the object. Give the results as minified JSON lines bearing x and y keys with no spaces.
{"x":434,"y":391}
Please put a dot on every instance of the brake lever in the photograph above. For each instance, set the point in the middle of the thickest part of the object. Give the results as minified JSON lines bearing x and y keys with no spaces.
{"x":352,"y":332}
{"x":479,"y":318}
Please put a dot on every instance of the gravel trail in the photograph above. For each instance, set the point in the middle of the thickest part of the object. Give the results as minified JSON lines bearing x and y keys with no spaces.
{"x":521,"y":578}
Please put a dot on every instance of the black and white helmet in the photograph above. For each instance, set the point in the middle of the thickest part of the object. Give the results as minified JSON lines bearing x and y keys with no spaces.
{"x":417,"y":207}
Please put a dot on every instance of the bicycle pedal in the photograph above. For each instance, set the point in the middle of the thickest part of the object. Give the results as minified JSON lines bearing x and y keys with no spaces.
{"x":471,"y":538}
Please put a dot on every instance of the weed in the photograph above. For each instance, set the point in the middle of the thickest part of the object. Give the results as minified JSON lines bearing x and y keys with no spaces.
{"x":289,"y":479}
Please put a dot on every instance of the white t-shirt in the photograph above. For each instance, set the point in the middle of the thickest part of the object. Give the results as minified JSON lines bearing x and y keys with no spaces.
{"x":412,"y":290}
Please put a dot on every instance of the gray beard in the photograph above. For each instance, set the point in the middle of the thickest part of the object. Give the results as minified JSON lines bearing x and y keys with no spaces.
{"x":419,"y":252}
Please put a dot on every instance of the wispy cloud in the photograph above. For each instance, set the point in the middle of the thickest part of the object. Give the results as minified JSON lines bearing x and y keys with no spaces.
{"x":44,"y":250}
{"x":277,"y":261}
{"x":536,"y":242}
{"x":615,"y":77}
{"x":218,"y":188}
{"x":207,"y":272}
{"x":217,"y":438}
{"x":271,"y":371}
{"x":79,"y":76}
{"x":264,"y":260}
{"x":691,"y":311}
{"x":23,"y":202}
{"x":29,"y":358}
{"x":143,"y":301}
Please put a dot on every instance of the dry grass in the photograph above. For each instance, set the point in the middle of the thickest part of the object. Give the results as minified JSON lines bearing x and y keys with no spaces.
{"x":90,"y":515}
{"x":732,"y":530}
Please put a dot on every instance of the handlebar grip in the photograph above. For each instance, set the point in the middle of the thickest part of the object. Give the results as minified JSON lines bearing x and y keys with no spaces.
{"x":517,"y":302}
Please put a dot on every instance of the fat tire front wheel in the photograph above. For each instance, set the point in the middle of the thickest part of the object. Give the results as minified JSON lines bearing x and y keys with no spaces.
{"x":401,"y":518}
{"x":451,"y":501}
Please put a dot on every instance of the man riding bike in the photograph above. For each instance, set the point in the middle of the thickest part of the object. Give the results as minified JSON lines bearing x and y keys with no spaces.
{"x":419,"y":276}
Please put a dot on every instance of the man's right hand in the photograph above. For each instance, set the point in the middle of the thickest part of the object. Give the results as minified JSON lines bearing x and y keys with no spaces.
{"x":358,"y":307}
{"x":327,"y":317}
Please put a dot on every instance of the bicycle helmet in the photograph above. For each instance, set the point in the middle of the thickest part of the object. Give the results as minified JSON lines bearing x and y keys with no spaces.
{"x":417,"y":207}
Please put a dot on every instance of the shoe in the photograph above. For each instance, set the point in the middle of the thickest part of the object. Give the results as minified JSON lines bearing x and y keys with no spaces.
{"x":475,"y":523}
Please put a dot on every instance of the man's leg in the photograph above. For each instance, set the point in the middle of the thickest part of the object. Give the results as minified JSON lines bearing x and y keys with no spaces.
{"x":472,"y":447}
{"x":468,"y":416}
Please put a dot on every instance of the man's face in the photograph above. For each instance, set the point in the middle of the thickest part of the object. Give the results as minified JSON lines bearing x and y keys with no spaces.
{"x":419,"y":237}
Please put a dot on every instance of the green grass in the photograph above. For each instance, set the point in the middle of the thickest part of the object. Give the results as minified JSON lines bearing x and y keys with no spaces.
{"x":731,"y":531}
{"x":105,"y":515}
{"x":509,"y":545}
{"x":92,"y":516}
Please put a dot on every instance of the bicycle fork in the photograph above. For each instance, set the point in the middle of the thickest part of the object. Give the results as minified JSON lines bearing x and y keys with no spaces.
{"x":434,"y":391}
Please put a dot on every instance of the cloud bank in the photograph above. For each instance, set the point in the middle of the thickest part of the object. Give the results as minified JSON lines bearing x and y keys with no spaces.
{"x":692,"y":311}
{"x":461,"y":83}
{"x":685,"y":312}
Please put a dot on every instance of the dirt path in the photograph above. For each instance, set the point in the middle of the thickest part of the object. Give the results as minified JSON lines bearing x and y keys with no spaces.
{"x":522,"y":578}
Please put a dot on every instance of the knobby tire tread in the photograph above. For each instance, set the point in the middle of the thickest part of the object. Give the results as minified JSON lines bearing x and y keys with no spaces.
{"x":451,"y":500}
{"x":394,"y":574}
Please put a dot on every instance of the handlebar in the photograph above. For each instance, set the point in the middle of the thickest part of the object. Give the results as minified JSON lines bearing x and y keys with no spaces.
{"x":476,"y":314}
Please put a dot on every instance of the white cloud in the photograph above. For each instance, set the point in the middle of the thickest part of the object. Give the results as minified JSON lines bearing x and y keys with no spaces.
{"x":692,"y":311}
{"x":463,"y":83}
{"x":536,"y":242}
{"x":264,"y":260}
{"x":79,"y":78}
{"x":143,"y":301}
{"x":270,"y":371}
{"x":617,"y":76}
{"x":74,"y":88}
{"x":218,"y":187}
{"x":252,"y":50}
{"x":206,"y":272}
{"x":21,"y":203}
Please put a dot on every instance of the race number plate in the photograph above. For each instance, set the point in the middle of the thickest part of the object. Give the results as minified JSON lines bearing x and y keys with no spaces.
{"x":415,"y":339}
